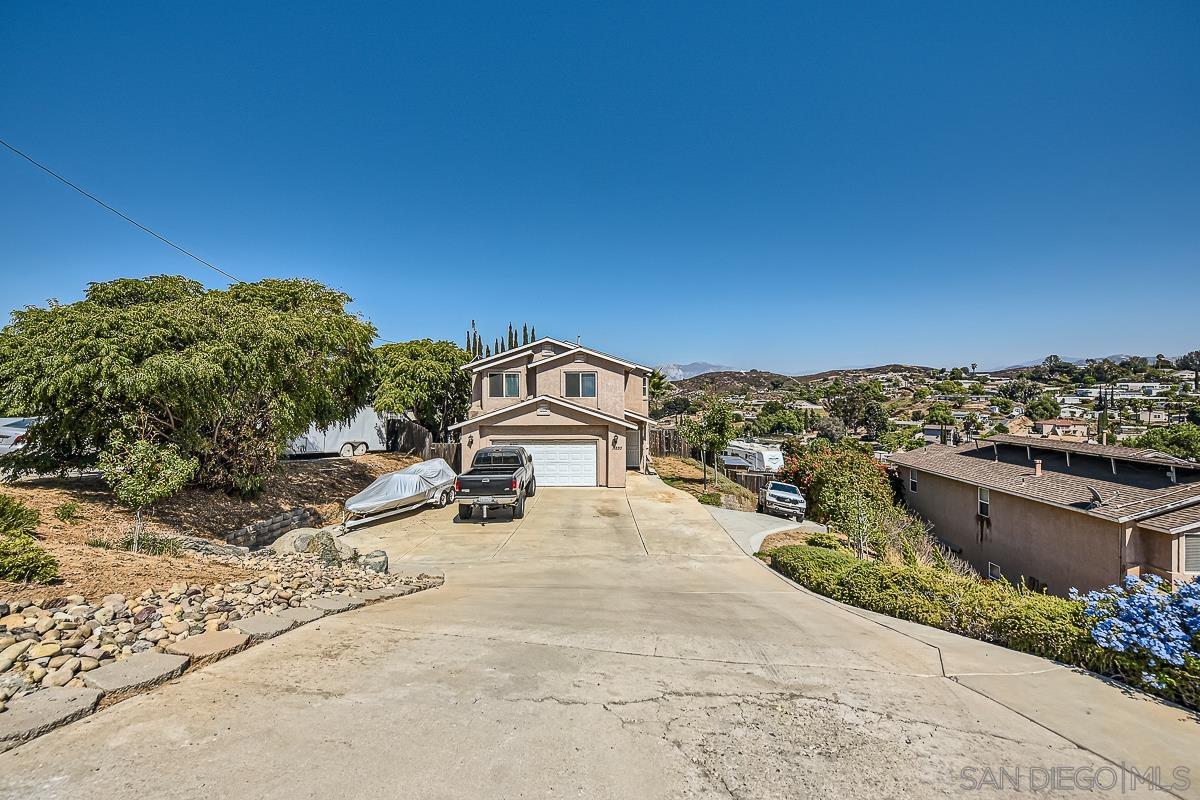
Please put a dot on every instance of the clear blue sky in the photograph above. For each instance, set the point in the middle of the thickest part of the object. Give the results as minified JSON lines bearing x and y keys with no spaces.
{"x":787,"y":186}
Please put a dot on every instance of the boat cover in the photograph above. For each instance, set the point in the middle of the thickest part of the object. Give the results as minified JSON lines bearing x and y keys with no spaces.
{"x":396,"y":489}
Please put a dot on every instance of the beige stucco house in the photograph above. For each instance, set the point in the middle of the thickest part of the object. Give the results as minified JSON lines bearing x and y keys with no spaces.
{"x":582,"y":414}
{"x":1059,"y":514}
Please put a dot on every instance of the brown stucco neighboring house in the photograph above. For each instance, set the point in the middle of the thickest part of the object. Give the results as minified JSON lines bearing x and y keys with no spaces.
{"x":1063,"y":427}
{"x":1059,"y":514}
{"x":582,"y":414}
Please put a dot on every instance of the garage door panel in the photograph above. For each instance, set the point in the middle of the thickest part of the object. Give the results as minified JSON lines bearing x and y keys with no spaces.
{"x":561,"y":463}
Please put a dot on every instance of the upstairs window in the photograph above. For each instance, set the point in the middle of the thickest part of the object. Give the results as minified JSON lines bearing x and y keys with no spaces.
{"x":581,"y":384}
{"x":985,"y":502}
{"x":912,"y":481}
{"x":504,"y":384}
{"x":646,"y":386}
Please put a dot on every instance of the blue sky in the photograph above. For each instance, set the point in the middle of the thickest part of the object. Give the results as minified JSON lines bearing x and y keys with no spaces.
{"x":785,"y":186}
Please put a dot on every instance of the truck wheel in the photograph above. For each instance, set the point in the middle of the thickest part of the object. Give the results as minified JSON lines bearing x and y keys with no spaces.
{"x":519,"y":509}
{"x":464,"y":510}
{"x":346,"y":450}
{"x":360,"y":449}
{"x":759,"y":507}
{"x":532,"y":490}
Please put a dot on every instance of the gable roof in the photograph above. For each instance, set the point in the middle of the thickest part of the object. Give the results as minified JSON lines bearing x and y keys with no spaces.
{"x":516,"y":351}
{"x":541,"y":398}
{"x":578,"y":349}
{"x":572,"y":349}
{"x":1126,"y":500}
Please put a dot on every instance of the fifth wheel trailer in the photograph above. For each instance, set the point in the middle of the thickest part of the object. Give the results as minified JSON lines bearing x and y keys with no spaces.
{"x":367,"y":431}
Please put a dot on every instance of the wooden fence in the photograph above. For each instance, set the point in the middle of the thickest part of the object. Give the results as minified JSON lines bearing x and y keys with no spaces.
{"x":406,"y":436}
{"x":668,"y":442}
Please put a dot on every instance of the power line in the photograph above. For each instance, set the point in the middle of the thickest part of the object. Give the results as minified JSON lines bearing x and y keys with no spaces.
{"x":125,"y":217}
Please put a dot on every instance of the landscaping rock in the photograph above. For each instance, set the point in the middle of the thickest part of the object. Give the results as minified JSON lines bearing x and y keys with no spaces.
{"x":209,"y":646}
{"x":9,"y":655}
{"x":32,"y":715}
{"x":138,"y":672}
{"x":376,"y":561}
{"x":263,"y":626}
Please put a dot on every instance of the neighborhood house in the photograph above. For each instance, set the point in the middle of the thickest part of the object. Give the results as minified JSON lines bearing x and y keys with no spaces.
{"x":1058,"y":514}
{"x":583,"y":415}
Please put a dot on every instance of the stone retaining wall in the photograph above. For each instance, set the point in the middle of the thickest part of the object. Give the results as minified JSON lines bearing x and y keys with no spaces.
{"x":262,"y":533}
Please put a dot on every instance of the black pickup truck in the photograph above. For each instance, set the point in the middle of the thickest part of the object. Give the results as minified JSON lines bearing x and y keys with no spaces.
{"x":499,"y":476}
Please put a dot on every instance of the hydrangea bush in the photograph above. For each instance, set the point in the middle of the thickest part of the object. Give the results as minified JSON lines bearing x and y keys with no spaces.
{"x":1151,"y":628}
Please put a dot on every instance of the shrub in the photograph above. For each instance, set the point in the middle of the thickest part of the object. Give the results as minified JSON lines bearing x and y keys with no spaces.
{"x":1142,"y":633}
{"x":710,"y":498}
{"x":23,"y":560}
{"x":67,"y":512}
{"x":16,"y":517}
{"x":152,"y":543}
{"x":827,"y":540}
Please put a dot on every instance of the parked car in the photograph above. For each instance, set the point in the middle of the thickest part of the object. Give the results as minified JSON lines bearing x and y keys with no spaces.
{"x":782,"y":500}
{"x":12,"y":433}
{"x":365,"y":432}
{"x":499,"y":476}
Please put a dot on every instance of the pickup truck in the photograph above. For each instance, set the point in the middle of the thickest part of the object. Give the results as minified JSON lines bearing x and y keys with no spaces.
{"x":499,"y":476}
{"x":782,"y":499}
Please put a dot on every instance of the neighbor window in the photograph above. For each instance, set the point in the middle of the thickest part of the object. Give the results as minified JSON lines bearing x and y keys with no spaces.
{"x":581,"y":384}
{"x":912,"y":481}
{"x":985,"y":505}
{"x":1191,"y":553}
{"x":504,"y":384}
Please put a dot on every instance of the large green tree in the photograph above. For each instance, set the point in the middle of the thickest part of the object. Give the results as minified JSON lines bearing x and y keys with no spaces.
{"x":424,"y":377}
{"x":1181,"y":440}
{"x":1044,"y":407}
{"x":228,"y":376}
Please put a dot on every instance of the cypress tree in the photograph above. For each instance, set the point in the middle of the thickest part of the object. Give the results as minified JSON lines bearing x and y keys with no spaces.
{"x":524,"y":333}
{"x":533,"y":334}
{"x":487,"y":352}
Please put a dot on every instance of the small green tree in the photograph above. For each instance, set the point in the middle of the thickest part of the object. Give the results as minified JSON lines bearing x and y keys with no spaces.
{"x":710,"y":431}
{"x":141,"y":473}
{"x":939,"y":414}
{"x":1044,"y":407}
{"x":424,"y":377}
{"x":1191,"y":361}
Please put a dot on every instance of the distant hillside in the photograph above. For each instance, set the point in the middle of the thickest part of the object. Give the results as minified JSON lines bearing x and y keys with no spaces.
{"x":734,"y":382}
{"x":678,"y":372}
{"x":737,"y":382}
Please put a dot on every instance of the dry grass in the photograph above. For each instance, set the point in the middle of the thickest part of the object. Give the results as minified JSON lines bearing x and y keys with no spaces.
{"x":317,"y":483}
{"x":788,"y":538}
{"x":686,"y":474}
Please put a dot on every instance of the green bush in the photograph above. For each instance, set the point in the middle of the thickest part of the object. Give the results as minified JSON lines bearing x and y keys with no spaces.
{"x":710,"y":498}
{"x":23,"y":560}
{"x":16,"y":517}
{"x":150,"y":543}
{"x":827,"y":540}
{"x":993,"y":611}
{"x":67,"y":512}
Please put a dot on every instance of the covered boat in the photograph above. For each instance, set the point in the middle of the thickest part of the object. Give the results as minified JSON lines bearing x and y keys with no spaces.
{"x":431,"y":480}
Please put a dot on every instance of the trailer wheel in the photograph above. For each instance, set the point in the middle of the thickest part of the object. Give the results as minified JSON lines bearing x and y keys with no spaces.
{"x":464,"y":510}
{"x":346,"y":450}
{"x":361,"y":449}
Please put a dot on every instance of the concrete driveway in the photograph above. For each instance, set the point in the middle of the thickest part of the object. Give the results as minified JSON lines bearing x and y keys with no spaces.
{"x":615,"y":643}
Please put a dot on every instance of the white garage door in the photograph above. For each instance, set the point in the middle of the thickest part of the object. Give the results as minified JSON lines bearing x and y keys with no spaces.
{"x":562,"y":463}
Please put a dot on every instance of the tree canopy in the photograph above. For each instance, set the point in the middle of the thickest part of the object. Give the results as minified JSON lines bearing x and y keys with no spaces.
{"x":424,"y":376}
{"x":1181,"y":440}
{"x":228,"y":376}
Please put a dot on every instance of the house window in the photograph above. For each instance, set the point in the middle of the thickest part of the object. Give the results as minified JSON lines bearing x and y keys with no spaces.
{"x":985,"y":502}
{"x":1191,"y":553}
{"x":912,"y":481}
{"x":581,"y":384}
{"x":504,"y":384}
{"x":994,"y":571}
{"x":645,"y":386}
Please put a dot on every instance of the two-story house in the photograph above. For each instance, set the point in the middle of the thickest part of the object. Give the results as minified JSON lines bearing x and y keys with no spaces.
{"x":583,"y":415}
{"x":1059,"y":514}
